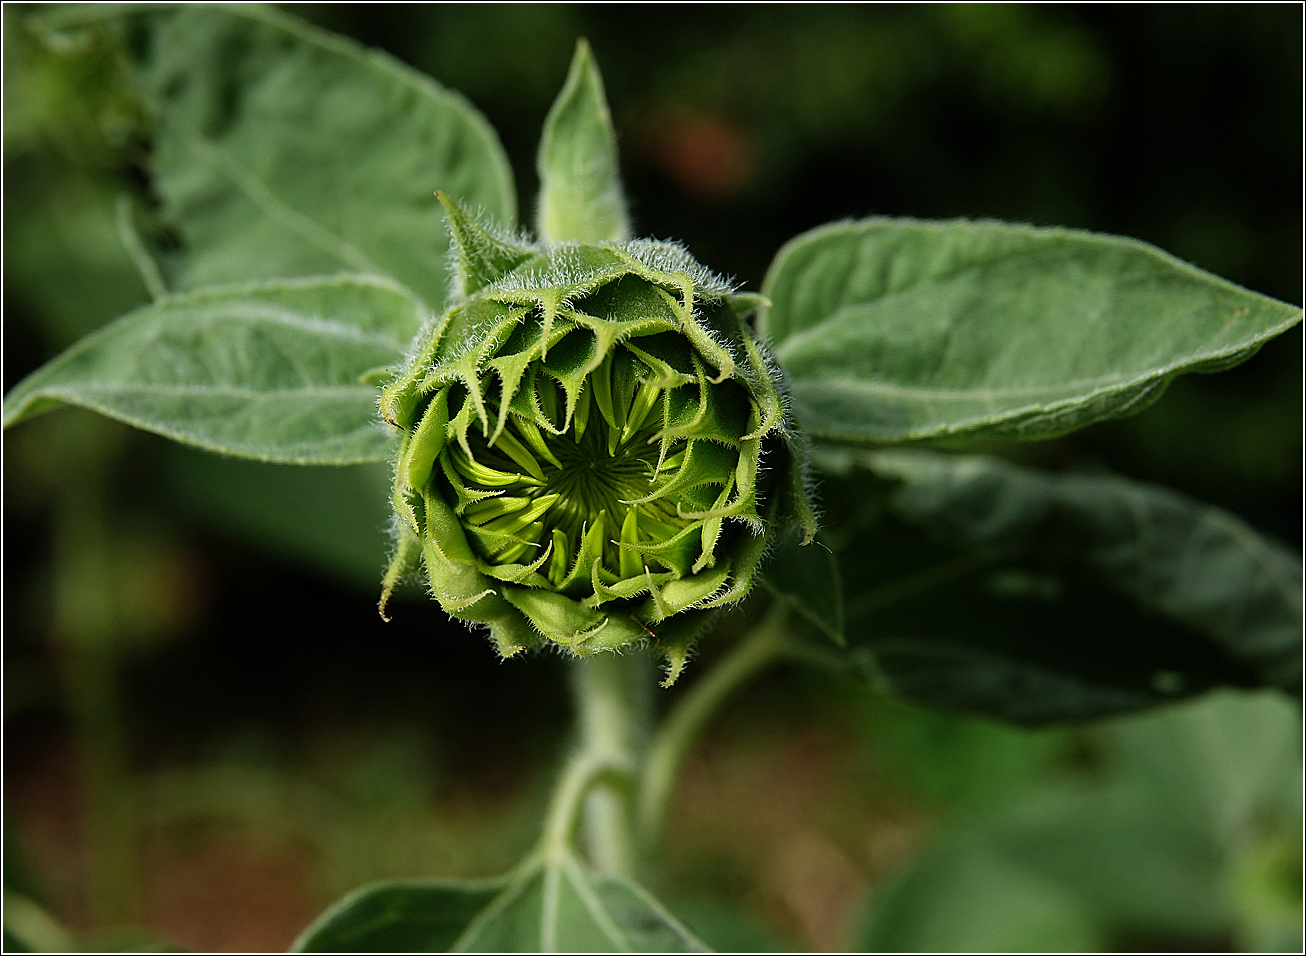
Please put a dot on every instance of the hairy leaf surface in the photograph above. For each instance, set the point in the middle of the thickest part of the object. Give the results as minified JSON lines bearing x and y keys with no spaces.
{"x":551,"y":905}
{"x":1036,"y":597}
{"x":273,"y":372}
{"x":282,"y":150}
{"x":899,"y":330}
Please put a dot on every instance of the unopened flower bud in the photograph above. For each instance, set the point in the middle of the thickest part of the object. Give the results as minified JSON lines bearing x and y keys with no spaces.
{"x":595,"y":449}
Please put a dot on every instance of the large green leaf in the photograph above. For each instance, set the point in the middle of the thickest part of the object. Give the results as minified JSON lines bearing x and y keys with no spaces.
{"x":274,"y":372}
{"x":282,"y":150}
{"x":897,"y":330}
{"x":552,"y":904}
{"x":1036,"y":597}
{"x":580,"y":183}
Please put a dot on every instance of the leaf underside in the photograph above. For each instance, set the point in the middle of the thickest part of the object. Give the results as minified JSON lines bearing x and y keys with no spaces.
{"x":1035,"y":597}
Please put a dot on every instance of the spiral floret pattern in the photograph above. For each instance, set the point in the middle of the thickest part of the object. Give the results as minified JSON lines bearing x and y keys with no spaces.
{"x":594,"y":450}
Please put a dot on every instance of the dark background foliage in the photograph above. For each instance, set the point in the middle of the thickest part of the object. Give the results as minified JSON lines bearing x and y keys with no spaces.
{"x":740,"y":126}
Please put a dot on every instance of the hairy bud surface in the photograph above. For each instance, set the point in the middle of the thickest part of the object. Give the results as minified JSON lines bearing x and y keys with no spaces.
{"x":595,"y":449}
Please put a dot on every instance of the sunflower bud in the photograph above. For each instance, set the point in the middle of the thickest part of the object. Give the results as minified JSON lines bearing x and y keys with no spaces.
{"x":595,"y":450}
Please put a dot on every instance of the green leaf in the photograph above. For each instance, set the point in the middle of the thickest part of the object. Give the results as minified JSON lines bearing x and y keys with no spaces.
{"x":1226,"y":765}
{"x":1035,"y":597}
{"x":966,"y":896}
{"x":809,"y":576}
{"x":282,"y":150}
{"x":482,"y":252}
{"x":1142,"y":844}
{"x":1060,"y":870}
{"x":28,"y":928}
{"x":270,"y":372}
{"x":552,"y":904}
{"x":580,"y":183}
{"x":1120,"y":850}
{"x":898,"y":330}
{"x":399,"y":916}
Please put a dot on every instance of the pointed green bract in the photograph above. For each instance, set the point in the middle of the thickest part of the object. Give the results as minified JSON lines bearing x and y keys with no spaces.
{"x":594,"y":448}
{"x":481,"y":253}
{"x":580,"y":183}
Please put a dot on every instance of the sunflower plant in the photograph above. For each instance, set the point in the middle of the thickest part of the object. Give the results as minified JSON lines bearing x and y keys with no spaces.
{"x":602,"y":448}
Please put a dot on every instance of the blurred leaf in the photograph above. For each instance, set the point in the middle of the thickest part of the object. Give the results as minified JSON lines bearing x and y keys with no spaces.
{"x":547,"y":905}
{"x":269,"y":372}
{"x":282,"y":150}
{"x":334,"y":520}
{"x":1120,"y":850}
{"x":30,"y":929}
{"x":725,"y":930}
{"x":967,"y":764}
{"x":580,"y":184}
{"x":1186,"y":789}
{"x":1267,"y":882}
{"x":965,"y":897}
{"x":1223,"y":765}
{"x":1116,"y":842}
{"x":1070,"y":864}
{"x":903,"y":330}
{"x":411,"y":916}
{"x":809,"y":576}
{"x":64,"y":230}
{"x":1035,"y":598}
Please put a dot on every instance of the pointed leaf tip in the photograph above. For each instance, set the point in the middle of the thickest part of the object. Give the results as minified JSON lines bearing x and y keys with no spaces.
{"x":482,"y":253}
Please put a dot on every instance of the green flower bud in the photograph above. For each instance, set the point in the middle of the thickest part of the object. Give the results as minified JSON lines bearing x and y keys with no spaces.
{"x":595,"y":449}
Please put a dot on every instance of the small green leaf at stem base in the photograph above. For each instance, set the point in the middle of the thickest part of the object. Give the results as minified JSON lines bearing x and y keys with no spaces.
{"x":549,"y":904}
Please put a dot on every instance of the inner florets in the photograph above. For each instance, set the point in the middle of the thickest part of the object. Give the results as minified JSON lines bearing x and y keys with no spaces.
{"x":608,"y":493}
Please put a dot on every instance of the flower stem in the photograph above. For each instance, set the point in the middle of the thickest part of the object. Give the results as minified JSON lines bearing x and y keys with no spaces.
{"x":691,"y":714}
{"x":611,"y":702}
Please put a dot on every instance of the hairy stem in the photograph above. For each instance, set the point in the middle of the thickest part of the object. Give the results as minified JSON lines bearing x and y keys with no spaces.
{"x":574,"y":784}
{"x":691,"y":714}
{"x":611,"y":703}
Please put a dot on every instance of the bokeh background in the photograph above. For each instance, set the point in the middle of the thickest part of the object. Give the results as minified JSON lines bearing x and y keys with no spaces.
{"x":209,"y":735}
